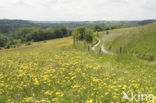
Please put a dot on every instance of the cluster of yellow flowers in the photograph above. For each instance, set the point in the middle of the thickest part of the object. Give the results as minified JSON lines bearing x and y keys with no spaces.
{"x":47,"y":72}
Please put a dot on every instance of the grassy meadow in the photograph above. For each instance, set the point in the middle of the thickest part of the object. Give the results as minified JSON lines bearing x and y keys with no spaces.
{"x":136,"y":41}
{"x":54,"y":72}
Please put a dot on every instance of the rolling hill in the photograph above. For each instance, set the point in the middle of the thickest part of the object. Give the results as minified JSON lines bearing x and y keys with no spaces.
{"x":53,"y":71}
{"x":137,"y":41}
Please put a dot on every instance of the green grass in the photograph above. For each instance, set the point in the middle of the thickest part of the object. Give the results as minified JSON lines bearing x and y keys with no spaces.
{"x":136,"y":41}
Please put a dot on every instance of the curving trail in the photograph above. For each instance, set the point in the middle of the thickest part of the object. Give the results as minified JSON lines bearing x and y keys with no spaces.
{"x":102,"y":48}
{"x":106,"y":51}
{"x":94,"y":46}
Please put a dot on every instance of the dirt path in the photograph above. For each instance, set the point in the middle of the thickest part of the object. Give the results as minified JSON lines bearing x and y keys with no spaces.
{"x":94,"y":46}
{"x":106,"y":51}
{"x":102,"y":48}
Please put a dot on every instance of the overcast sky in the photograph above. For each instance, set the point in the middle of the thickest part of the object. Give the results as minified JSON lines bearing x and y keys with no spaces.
{"x":78,"y":10}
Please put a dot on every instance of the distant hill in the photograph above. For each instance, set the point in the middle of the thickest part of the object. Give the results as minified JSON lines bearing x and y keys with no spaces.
{"x":7,"y":26}
{"x":10,"y":25}
{"x":73,"y":24}
{"x":144,"y":22}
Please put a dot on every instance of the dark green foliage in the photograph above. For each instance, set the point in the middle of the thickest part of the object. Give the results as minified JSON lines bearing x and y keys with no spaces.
{"x":3,"y":40}
{"x":89,"y":35}
{"x":151,"y":58}
{"x":7,"y":26}
{"x":107,"y":32}
{"x":98,"y":28}
{"x":21,"y":33}
{"x":144,"y":22}
{"x":83,"y":33}
{"x":80,"y":33}
{"x":35,"y":34}
{"x":113,"y":27}
{"x":61,"y":31}
{"x":28,"y":43}
{"x":110,"y":27}
{"x":7,"y":46}
{"x":39,"y":34}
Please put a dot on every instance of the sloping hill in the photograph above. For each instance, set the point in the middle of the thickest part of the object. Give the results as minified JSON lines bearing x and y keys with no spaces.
{"x":137,"y":41}
{"x":54,"y":72}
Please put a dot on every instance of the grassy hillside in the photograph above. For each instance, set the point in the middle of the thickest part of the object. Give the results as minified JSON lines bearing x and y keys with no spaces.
{"x":53,"y":71}
{"x":137,"y":41}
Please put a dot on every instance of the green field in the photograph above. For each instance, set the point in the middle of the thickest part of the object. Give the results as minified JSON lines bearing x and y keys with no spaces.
{"x":136,"y":41}
{"x":54,"y":71}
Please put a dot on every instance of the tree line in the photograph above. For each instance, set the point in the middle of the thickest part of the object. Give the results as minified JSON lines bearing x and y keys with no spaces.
{"x":26,"y":34}
{"x":89,"y":34}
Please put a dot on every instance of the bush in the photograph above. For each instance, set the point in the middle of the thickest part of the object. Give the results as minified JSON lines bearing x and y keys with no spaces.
{"x":14,"y":46}
{"x":107,"y":32}
{"x":151,"y":58}
{"x":17,"y":42}
{"x":98,"y":28}
{"x":28,"y":43}
{"x":7,"y":46}
{"x":3,"y":40}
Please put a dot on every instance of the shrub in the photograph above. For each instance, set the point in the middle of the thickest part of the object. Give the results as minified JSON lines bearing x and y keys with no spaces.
{"x":28,"y":43}
{"x":151,"y":58}
{"x":107,"y":32}
{"x":7,"y":46}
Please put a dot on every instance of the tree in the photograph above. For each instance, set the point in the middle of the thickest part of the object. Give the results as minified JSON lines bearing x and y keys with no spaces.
{"x":98,"y":28}
{"x":83,"y":34}
{"x":61,"y":31}
{"x":114,"y":27}
{"x":39,"y":34}
{"x":22,"y":33}
{"x":3,"y":40}
{"x":89,"y":35}
{"x":79,"y":33}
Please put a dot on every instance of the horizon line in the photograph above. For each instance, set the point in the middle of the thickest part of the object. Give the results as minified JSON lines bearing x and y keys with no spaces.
{"x":71,"y":20}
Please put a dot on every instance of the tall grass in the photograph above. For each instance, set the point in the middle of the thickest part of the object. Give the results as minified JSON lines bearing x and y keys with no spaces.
{"x":137,"y":41}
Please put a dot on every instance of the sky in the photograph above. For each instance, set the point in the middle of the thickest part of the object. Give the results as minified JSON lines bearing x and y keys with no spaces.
{"x":77,"y":10}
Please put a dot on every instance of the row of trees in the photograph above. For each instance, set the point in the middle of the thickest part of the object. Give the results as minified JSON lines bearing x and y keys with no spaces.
{"x":35,"y":34}
{"x":26,"y":34}
{"x":39,"y":34}
{"x":98,"y":28}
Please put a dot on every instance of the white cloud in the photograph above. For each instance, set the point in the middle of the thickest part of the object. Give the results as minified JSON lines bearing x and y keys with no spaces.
{"x":78,"y":9}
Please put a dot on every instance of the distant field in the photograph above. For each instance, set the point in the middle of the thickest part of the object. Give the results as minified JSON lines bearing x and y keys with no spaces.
{"x":136,"y":41}
{"x":53,"y":71}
